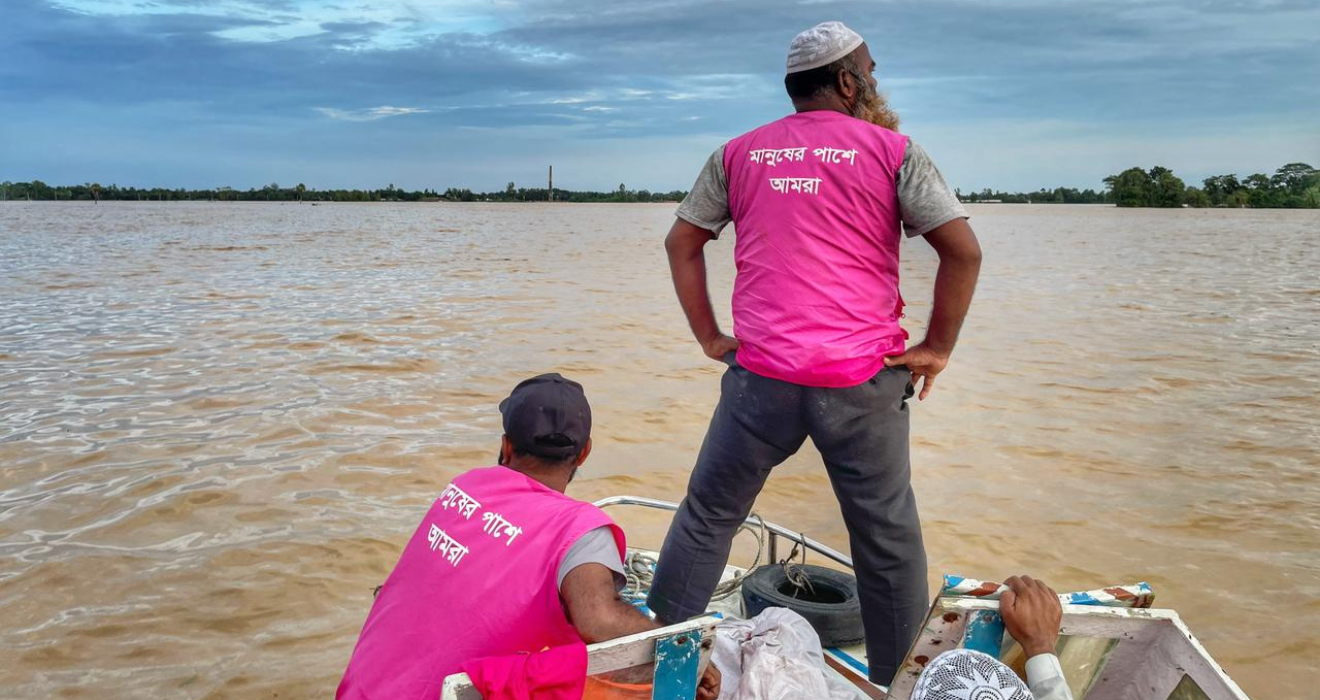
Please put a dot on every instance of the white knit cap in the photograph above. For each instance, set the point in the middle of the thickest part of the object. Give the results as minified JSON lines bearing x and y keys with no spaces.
{"x":821,"y":45}
{"x":959,"y":674}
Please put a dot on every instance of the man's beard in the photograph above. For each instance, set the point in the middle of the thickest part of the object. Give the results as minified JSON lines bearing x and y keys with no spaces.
{"x":871,"y":106}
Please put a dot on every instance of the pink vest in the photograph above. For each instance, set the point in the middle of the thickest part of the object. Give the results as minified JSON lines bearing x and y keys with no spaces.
{"x":815,"y":210}
{"x":478,"y":578}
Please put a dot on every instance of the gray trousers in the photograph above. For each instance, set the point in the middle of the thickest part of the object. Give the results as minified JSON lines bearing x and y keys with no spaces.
{"x":862,"y":434}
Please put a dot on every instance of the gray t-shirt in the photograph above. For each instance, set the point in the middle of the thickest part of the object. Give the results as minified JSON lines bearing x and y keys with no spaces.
{"x":924,"y":199}
{"x":595,"y":547}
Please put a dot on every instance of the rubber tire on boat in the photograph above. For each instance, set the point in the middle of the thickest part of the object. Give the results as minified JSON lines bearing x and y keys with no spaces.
{"x":839,"y":624}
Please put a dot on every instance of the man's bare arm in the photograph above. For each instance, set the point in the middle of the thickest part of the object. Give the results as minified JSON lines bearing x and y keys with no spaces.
{"x":685,"y":245}
{"x":955,"y":281}
{"x":595,"y":608}
{"x":598,"y":613}
{"x":960,"y":265}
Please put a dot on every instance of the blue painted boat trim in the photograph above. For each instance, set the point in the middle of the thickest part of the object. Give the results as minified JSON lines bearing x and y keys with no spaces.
{"x":677,"y":662}
{"x":853,"y":662}
{"x":985,"y":632}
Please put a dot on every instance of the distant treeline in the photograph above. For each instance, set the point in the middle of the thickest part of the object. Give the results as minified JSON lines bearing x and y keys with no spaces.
{"x":38,"y":190}
{"x":1294,"y":186}
{"x":1058,"y":195}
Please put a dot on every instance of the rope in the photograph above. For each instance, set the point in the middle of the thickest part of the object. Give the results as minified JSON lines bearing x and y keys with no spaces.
{"x":639,"y":569}
{"x":796,"y":573}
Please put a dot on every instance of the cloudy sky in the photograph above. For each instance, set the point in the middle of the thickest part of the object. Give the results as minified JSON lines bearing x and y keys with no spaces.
{"x":1013,"y":94}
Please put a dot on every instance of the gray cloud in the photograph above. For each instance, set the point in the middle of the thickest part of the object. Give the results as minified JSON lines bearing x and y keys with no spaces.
{"x":592,"y":70}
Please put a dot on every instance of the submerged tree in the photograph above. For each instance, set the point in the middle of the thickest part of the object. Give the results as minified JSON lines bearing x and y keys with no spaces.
{"x":1131,"y":188}
{"x":1158,"y":187}
{"x":1168,"y":189}
{"x":1295,"y":185}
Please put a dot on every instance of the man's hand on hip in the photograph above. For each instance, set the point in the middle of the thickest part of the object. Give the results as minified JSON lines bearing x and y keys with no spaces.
{"x":719,"y":346}
{"x":924,"y":363}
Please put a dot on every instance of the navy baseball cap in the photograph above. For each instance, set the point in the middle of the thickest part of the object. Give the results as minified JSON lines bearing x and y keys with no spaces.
{"x":547,"y":416}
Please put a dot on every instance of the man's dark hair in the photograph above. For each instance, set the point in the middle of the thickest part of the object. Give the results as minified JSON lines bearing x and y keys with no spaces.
{"x":555,"y":441}
{"x":807,"y":84}
{"x":543,"y":461}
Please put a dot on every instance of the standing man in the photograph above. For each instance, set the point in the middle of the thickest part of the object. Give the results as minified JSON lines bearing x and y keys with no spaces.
{"x":820,"y":200}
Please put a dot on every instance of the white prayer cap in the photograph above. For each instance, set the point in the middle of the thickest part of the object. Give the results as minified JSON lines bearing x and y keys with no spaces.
{"x":821,"y":45}
{"x":964,"y":673}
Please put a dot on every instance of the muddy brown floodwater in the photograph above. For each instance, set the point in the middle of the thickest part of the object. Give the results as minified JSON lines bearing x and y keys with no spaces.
{"x":219,"y":423}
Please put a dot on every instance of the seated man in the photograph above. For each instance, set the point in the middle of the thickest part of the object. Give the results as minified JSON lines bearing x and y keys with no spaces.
{"x":503,"y":562}
{"x":1032,"y":614}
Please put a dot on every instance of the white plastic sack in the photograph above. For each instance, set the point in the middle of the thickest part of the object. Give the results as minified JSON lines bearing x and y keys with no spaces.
{"x":775,"y":656}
